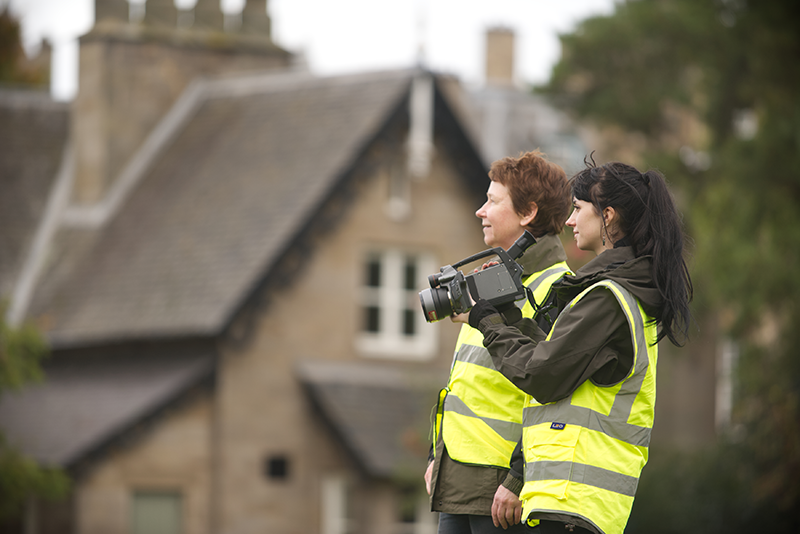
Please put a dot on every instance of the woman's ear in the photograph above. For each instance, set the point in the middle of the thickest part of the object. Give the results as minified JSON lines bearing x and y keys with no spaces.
{"x":528,"y":219}
{"x":609,"y":215}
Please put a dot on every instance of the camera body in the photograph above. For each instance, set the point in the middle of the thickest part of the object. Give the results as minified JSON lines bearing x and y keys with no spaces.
{"x":452,"y":292}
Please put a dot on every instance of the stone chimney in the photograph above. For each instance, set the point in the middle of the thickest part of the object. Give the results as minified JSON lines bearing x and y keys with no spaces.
{"x":255,"y":20}
{"x":117,"y":10}
{"x":161,"y":13}
{"x":208,"y":15}
{"x":131,"y":73}
{"x":500,"y":57}
{"x":420,"y":136}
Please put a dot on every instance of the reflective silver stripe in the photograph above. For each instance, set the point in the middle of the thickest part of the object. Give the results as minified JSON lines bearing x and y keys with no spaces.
{"x":475,"y":355}
{"x":505,"y":429}
{"x":539,"y":280}
{"x":613,"y":424}
{"x":533,"y":286}
{"x":631,"y":434}
{"x":624,"y":402}
{"x":582,"y":474}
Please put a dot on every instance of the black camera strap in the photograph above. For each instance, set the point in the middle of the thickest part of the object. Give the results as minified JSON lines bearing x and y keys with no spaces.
{"x":542,"y":313}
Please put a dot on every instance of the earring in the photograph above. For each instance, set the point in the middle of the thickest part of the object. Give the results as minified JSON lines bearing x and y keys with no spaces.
{"x":603,"y":235}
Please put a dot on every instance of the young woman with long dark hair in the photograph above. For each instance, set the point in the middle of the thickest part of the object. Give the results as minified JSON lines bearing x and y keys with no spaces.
{"x":591,"y":381}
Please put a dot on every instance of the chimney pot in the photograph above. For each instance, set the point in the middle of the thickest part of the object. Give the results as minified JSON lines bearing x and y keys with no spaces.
{"x":500,"y":56}
{"x":111,"y":9}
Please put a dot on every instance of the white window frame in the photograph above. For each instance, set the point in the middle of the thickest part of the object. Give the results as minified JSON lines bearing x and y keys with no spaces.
{"x":392,"y":299}
{"x":335,"y":504}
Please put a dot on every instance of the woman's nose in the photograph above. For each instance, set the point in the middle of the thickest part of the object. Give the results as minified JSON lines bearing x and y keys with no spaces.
{"x":571,"y":220}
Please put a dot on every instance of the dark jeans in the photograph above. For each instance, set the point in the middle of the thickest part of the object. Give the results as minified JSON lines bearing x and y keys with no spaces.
{"x":476,"y":524}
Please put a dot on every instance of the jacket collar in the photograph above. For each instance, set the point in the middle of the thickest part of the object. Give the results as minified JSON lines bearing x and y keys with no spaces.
{"x":609,"y":259}
{"x":547,"y":251}
{"x":621,"y":266}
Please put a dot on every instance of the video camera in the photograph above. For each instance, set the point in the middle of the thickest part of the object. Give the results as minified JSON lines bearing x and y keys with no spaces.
{"x":499,"y":284}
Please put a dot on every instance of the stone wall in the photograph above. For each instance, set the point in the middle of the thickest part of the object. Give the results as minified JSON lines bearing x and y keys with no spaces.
{"x":317,"y":317}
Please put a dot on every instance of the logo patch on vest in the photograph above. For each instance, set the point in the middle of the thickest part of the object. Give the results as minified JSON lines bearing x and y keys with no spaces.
{"x":558,"y":426}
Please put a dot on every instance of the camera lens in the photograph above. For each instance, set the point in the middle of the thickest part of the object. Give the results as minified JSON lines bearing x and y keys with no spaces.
{"x":435,"y":304}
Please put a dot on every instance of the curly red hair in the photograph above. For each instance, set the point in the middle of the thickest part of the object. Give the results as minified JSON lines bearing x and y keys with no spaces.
{"x":531,"y":179}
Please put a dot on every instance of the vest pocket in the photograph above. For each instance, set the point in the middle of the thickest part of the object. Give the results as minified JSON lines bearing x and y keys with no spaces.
{"x":550,"y":458}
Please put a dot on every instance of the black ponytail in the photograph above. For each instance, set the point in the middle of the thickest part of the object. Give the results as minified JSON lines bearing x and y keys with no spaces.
{"x":648,"y":219}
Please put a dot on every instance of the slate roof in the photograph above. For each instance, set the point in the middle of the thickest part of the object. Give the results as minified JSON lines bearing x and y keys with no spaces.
{"x":33,"y":132}
{"x":380,"y":413}
{"x":225,"y":185}
{"x":510,"y":121}
{"x":251,"y":162}
{"x":85,"y":403}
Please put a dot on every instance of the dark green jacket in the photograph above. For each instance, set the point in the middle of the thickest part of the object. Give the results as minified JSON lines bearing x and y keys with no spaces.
{"x":591,"y":341}
{"x":468,"y":489}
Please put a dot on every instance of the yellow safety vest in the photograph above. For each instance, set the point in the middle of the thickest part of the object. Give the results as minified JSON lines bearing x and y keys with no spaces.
{"x":480,"y":411}
{"x":584,"y":453}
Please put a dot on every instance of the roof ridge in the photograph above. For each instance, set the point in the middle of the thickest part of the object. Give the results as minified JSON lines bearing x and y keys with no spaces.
{"x":166,"y":130}
{"x":30,"y":99}
{"x":198,"y":91}
{"x":286,"y":79}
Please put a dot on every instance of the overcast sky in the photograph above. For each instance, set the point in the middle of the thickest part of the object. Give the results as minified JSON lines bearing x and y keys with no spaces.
{"x":341,"y":36}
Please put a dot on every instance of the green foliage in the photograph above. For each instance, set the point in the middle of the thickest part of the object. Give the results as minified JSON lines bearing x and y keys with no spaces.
{"x":21,"y":478}
{"x":731,"y":67}
{"x":14,"y":65}
{"x":718,"y":61}
{"x":10,"y":45}
{"x":21,"y":351}
{"x":695,"y":492}
{"x":623,"y":68}
{"x":715,"y":491}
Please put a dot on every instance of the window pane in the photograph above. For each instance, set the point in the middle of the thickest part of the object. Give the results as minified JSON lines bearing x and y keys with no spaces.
{"x":277,"y":467}
{"x":372,"y":315}
{"x":156,"y":513}
{"x":373,"y":273}
{"x":409,"y":322}
{"x":411,"y":274}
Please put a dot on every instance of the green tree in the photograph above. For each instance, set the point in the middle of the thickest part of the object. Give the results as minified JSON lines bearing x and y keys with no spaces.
{"x":14,"y":65}
{"x":21,"y":350}
{"x":10,"y":45}
{"x":713,"y":87}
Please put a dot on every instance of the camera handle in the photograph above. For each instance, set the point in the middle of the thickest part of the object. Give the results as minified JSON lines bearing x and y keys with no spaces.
{"x":508,"y":258}
{"x":514,"y":251}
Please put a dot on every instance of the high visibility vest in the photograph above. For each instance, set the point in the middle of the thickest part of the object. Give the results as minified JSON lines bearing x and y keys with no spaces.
{"x":480,"y":411}
{"x":584,"y":453}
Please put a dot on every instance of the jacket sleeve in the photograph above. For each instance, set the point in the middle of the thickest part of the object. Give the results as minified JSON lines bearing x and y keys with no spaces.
{"x":516,"y":474}
{"x":589,"y":340}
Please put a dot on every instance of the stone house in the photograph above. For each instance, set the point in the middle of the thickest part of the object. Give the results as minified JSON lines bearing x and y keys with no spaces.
{"x":224,"y":253}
